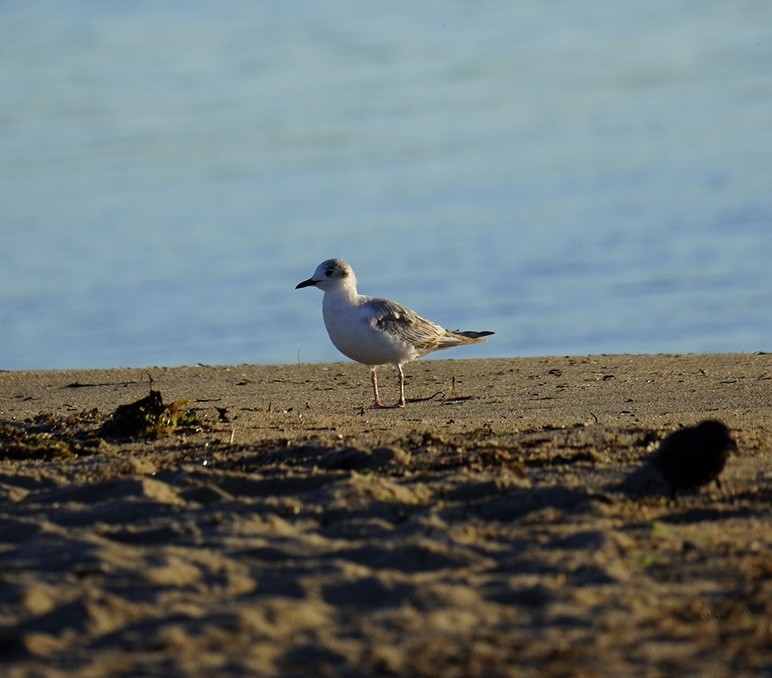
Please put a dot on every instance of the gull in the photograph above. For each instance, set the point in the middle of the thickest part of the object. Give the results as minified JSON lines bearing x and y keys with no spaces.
{"x":376,"y":331}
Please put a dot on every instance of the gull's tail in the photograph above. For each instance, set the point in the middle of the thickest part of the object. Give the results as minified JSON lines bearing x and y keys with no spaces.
{"x":457,"y":338}
{"x":450,"y":338}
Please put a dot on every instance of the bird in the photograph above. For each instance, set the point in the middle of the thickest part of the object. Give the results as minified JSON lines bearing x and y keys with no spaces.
{"x":694,"y":456}
{"x":375,"y":331}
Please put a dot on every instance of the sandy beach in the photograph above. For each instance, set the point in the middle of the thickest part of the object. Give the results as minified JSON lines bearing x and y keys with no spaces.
{"x":505,"y":522}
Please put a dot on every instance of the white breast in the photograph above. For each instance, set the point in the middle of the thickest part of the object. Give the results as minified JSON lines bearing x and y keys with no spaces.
{"x":350,"y":327}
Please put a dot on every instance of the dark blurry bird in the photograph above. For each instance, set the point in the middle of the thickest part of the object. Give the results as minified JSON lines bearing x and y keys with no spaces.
{"x":694,"y":456}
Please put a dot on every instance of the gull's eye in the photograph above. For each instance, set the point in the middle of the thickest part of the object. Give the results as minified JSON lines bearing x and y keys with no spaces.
{"x":329,"y":272}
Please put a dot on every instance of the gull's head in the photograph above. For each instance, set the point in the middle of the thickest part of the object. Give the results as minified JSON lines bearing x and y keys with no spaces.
{"x":330,"y":275}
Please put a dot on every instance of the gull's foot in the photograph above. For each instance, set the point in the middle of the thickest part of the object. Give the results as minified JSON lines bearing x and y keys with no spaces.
{"x":378,"y":405}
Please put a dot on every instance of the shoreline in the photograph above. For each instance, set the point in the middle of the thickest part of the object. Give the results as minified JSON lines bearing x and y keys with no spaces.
{"x":659,"y":390}
{"x":486,"y":528}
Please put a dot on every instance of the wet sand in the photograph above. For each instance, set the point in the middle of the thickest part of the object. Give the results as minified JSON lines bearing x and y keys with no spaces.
{"x":504,"y":523}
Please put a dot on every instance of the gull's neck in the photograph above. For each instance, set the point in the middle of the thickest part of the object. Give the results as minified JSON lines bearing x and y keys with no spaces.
{"x":344,"y":292}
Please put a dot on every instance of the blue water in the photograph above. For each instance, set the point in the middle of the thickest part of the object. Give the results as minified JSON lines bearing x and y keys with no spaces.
{"x":580,"y":177}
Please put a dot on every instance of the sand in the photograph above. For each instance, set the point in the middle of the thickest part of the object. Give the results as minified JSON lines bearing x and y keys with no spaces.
{"x":504,"y":523}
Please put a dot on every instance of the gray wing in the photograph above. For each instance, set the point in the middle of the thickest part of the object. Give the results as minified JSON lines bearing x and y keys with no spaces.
{"x":406,"y":325}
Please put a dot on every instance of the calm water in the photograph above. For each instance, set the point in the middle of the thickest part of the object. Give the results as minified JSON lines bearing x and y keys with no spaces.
{"x":581,"y":177}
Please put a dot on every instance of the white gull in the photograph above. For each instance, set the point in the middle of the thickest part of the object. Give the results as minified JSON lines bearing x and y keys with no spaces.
{"x":376,"y":331}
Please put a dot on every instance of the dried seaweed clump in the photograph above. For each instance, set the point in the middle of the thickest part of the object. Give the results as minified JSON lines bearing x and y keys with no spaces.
{"x":52,"y":436}
{"x":148,"y":417}
{"x":18,"y":443}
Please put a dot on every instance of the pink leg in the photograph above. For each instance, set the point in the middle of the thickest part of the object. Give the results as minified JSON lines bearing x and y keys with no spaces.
{"x":401,"y":402}
{"x":374,"y":381}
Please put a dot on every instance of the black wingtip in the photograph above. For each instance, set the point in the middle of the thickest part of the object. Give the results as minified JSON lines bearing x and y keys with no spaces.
{"x":475,"y":335}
